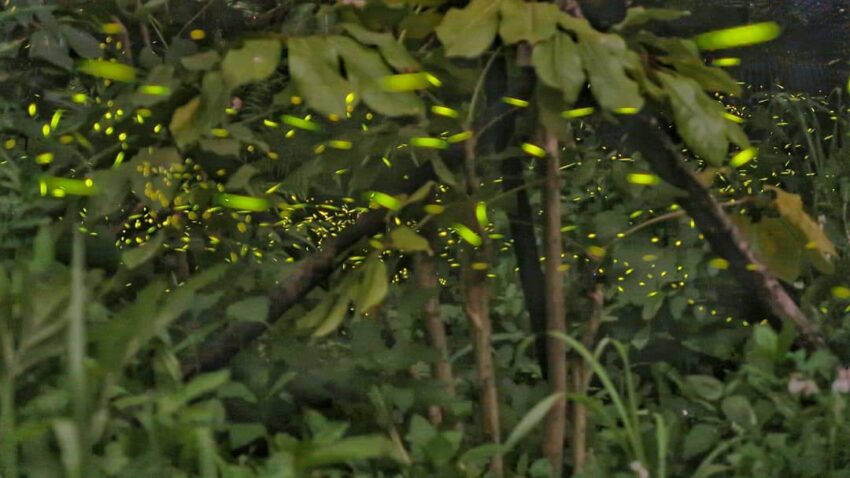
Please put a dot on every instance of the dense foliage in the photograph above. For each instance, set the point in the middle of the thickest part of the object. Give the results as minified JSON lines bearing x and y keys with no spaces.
{"x":404,"y":238}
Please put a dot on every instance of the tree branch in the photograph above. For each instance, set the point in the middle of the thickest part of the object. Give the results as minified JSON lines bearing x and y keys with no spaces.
{"x":726,"y":240}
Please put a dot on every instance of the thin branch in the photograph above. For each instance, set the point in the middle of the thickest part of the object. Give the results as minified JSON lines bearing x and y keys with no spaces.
{"x":726,"y":240}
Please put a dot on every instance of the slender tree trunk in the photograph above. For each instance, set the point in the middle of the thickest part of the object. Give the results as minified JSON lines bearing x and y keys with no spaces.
{"x":476,"y":297}
{"x":580,"y":376}
{"x":553,"y":442}
{"x":426,"y":279}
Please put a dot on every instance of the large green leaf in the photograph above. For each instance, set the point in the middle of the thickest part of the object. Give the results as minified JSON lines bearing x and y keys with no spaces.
{"x":135,"y":257}
{"x":531,"y":420}
{"x":639,"y":16}
{"x":407,"y":240}
{"x":605,"y":59}
{"x":50,"y":48}
{"x":365,"y":68}
{"x":557,"y":62}
{"x":470,"y":31}
{"x":255,"y":61}
{"x":392,"y":50}
{"x":81,"y":42}
{"x":699,"y":118}
{"x":313,"y":64}
{"x":710,"y":78}
{"x":527,"y":21}
{"x":348,"y":449}
{"x":373,"y":286}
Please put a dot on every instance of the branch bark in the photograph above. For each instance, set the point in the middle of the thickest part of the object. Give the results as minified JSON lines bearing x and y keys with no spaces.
{"x":726,"y":240}
{"x":306,"y":275}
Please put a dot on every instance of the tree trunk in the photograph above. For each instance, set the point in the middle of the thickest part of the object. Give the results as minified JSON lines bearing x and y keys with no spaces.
{"x":426,"y":279}
{"x":553,"y":442}
{"x":476,"y":297}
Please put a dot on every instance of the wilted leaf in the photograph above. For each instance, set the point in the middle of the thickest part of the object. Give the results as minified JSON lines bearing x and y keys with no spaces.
{"x":819,"y":249}
{"x":779,"y":248}
{"x":470,"y":31}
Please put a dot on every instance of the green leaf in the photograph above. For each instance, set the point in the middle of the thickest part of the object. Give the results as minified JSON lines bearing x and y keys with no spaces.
{"x":605,"y":59}
{"x":443,"y":172}
{"x":241,"y":178}
{"x":349,"y":449}
{"x":699,"y":440}
{"x":392,"y":50}
{"x":50,"y":48}
{"x":252,"y":309}
{"x":255,"y":61}
{"x":699,"y":118}
{"x":470,"y":31}
{"x":766,"y":339}
{"x":81,"y":42}
{"x":204,"y":384}
{"x":336,"y":314}
{"x":241,"y":434}
{"x":639,"y":16}
{"x":365,"y":68}
{"x":313,"y":64}
{"x":557,"y":62}
{"x":373,"y":285}
{"x":709,"y":78}
{"x":532,"y":22}
{"x":737,"y":409}
{"x":705,"y":387}
{"x":531,"y":420}
{"x":133,"y":258}
{"x":201,"y":61}
{"x":317,"y":314}
{"x":405,"y":239}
